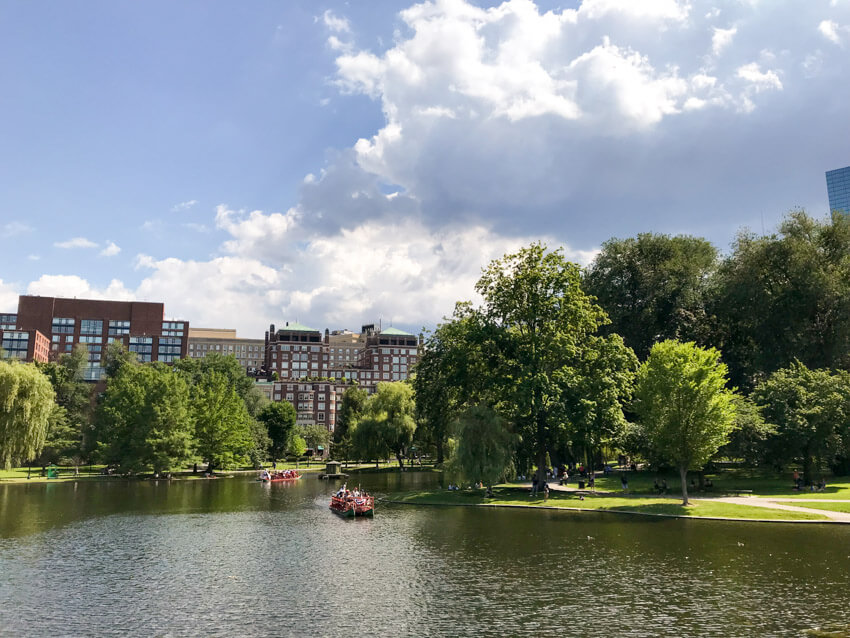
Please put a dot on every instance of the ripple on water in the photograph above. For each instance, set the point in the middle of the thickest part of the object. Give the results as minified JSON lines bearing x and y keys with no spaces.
{"x":237,"y":558}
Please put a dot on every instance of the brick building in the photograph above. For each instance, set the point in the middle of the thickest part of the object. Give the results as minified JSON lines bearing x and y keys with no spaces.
{"x":25,"y":345}
{"x":140,"y":326}
{"x":313,"y":370}
{"x":249,"y":352}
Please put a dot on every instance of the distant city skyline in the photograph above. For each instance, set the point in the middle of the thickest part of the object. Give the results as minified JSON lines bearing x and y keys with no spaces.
{"x":329,"y":161}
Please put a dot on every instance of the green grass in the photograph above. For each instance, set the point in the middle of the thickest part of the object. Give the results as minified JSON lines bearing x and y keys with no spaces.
{"x":762,"y":483}
{"x":632,"y":504}
{"x":832,"y":507}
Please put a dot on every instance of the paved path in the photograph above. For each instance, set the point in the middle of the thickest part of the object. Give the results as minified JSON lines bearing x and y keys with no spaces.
{"x":774,"y":504}
{"x":767,"y":503}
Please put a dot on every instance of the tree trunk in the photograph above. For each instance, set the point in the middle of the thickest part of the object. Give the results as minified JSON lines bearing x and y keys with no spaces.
{"x":683,"y":474}
{"x":400,"y":458}
{"x":807,"y":468}
{"x":439,"y":452}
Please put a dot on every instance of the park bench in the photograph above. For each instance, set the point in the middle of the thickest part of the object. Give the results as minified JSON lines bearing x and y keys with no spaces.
{"x":742,"y":492}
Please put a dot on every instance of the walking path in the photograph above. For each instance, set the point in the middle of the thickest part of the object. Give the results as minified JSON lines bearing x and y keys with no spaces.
{"x":767,"y":503}
{"x":770,"y":503}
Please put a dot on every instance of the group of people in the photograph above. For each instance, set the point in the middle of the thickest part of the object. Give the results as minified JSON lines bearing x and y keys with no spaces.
{"x":265,"y":475}
{"x":800,"y":485}
{"x":344,"y":492}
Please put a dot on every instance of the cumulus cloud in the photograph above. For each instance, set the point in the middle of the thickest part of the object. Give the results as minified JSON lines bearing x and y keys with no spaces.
{"x":111,"y":249}
{"x":76,"y":242}
{"x":722,"y":38}
{"x":510,"y":123}
{"x":8,"y":297}
{"x":75,"y":286}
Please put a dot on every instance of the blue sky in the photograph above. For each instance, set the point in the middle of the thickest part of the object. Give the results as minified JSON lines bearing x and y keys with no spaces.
{"x":340,"y":163}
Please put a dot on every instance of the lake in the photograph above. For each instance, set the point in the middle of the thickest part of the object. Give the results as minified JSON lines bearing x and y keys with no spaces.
{"x":233,"y":557}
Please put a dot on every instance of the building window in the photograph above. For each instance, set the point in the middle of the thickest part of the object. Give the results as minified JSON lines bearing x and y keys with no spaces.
{"x":91,"y":327}
{"x":62,"y":325}
{"x":119,"y":328}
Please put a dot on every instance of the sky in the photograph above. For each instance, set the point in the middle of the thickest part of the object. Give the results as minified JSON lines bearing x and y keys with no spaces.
{"x":342,"y":163}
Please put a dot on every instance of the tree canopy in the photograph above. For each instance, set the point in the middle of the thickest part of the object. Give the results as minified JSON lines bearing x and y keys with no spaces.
{"x":144,"y":419}
{"x":810,"y":410}
{"x":785,"y":297}
{"x":684,"y":406}
{"x":653,"y":287}
{"x":26,"y":404}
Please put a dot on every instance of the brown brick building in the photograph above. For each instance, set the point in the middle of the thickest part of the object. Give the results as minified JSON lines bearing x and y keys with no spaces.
{"x":312,"y":371}
{"x":25,"y":345}
{"x":140,"y":326}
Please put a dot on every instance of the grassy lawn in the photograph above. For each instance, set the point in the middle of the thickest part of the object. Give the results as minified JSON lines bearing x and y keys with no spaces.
{"x":726,"y":482}
{"x":832,"y":507}
{"x":641,"y":505}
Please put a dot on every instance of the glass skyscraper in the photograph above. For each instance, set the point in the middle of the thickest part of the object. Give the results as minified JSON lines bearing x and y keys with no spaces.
{"x":838,"y":188}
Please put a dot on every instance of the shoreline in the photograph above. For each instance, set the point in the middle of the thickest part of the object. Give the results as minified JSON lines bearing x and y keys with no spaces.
{"x":627,"y":512}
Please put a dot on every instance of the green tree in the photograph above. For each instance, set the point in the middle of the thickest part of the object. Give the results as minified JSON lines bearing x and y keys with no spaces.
{"x":143,"y":419}
{"x":260,"y":443}
{"x":388,"y":416}
{"x":227,"y":366}
{"x":367,"y":438}
{"x":69,"y":434}
{"x":784,"y":297}
{"x":296,"y":445}
{"x":446,"y":375}
{"x":279,"y":419}
{"x":534,"y":330}
{"x":26,"y":404}
{"x":749,"y":439}
{"x":350,"y":409}
{"x":316,"y":436}
{"x":115,"y":357}
{"x":484,"y":446}
{"x":222,"y":422}
{"x":601,"y":382}
{"x":810,"y":410}
{"x":653,"y":287}
{"x":683,"y":405}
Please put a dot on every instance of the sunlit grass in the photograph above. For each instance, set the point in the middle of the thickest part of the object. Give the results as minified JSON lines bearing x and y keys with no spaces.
{"x":633,"y":504}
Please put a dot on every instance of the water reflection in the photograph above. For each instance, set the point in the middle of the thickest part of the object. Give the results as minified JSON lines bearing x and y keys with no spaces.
{"x":234,"y":557}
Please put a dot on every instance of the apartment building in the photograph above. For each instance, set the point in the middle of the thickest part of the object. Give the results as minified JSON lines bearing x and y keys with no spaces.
{"x":250,"y":353}
{"x":24,"y":345}
{"x":141,"y":326}
{"x":312,"y":370}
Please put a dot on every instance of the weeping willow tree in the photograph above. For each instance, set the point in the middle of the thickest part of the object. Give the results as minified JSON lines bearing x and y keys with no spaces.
{"x":484,"y":446}
{"x":26,"y":403}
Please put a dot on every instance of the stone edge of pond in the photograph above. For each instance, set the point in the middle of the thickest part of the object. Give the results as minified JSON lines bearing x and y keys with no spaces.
{"x":627,"y":512}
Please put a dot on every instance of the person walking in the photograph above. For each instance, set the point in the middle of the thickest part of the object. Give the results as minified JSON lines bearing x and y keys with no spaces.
{"x":624,"y":482}
{"x":534,"y":483}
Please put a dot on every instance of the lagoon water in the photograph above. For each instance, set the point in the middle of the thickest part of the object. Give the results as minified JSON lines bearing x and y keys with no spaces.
{"x":233,"y":557}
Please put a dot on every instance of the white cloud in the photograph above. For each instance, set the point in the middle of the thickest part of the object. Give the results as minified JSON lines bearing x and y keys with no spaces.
{"x":830,"y":30}
{"x":111,"y":249}
{"x":8,"y":297}
{"x":721,"y":39}
{"x":75,"y":286}
{"x":76,"y":242}
{"x":33,"y":257}
{"x":184,"y":206}
{"x":12,"y":229}
{"x":758,"y":79}
{"x":640,"y":9}
{"x":335,"y":23}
